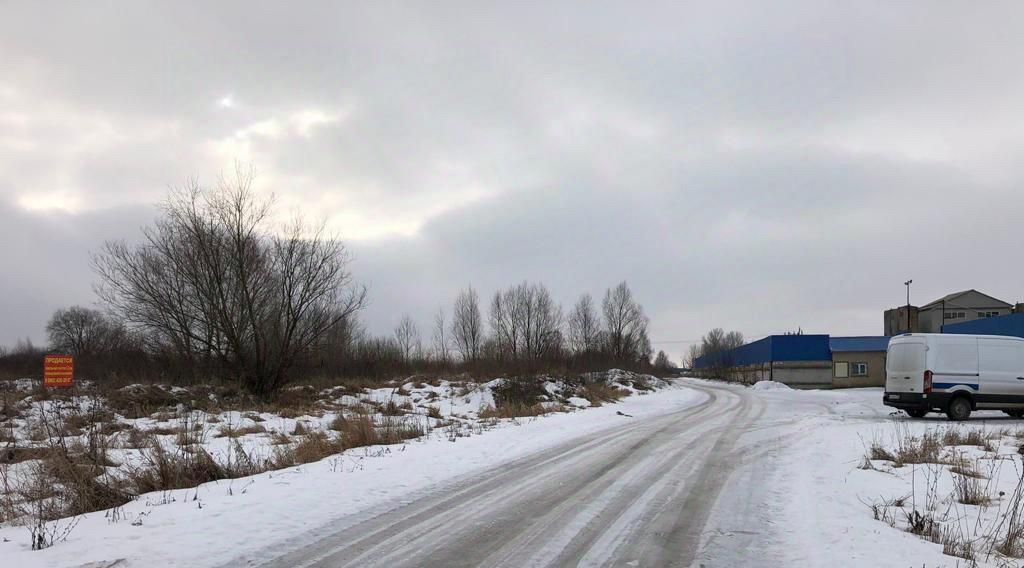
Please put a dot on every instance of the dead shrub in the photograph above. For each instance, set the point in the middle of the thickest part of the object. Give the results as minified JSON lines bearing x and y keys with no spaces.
{"x":519,"y":392}
{"x":315,"y":446}
{"x":80,"y":488}
{"x":957,"y":437}
{"x":393,"y":430}
{"x":954,"y":543}
{"x":162,"y":470}
{"x":238,"y":431}
{"x":878,"y":452}
{"x":135,"y":439}
{"x":337,"y":423}
{"x":391,"y":409}
{"x":598,"y":393}
{"x":969,"y":490}
{"x":434,"y":411}
{"x":84,"y":420}
{"x":139,"y":401}
{"x":111,"y":428}
{"x":164,"y":430}
{"x":926,"y":448}
{"x":18,"y":454}
{"x":513,"y":410}
{"x":358,"y":431}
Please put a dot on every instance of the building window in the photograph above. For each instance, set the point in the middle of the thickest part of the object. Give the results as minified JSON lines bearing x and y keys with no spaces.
{"x":859,"y":369}
{"x":954,"y":315}
{"x":841,"y":369}
{"x":987,"y":314}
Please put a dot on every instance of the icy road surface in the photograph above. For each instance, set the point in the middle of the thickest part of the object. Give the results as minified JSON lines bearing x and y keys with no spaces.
{"x":701,"y":474}
{"x":686,"y":488}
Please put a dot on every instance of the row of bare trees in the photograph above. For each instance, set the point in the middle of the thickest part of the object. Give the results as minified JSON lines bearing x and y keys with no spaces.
{"x":214,"y":290}
{"x":525,"y":324}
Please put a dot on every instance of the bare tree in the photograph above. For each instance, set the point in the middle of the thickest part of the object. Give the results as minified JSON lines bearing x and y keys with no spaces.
{"x":24,"y":347}
{"x":440,"y":337}
{"x":407,"y":336}
{"x":625,"y":325}
{"x":584,"y":326}
{"x":716,"y":348}
{"x":691,"y":356}
{"x":505,"y":321}
{"x":525,"y":321}
{"x":83,"y":331}
{"x":467,"y":325}
{"x":662,"y":362}
{"x":543,"y":322}
{"x":213,"y":282}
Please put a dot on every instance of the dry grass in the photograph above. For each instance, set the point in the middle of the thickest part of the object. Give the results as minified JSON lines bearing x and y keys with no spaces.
{"x":600,"y":393}
{"x":313,"y":447}
{"x":514,"y":410}
{"x":16,"y":454}
{"x":958,"y":437}
{"x":434,"y":412}
{"x":140,"y":401}
{"x":230,"y":431}
{"x":390,"y":408}
{"x":926,"y":448}
{"x":969,"y":490}
{"x":164,"y":430}
{"x":280,"y":438}
{"x":134,"y":438}
{"x":337,"y":423}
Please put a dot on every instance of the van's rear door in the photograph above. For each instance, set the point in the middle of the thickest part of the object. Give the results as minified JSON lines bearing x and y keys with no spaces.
{"x":905,"y":364}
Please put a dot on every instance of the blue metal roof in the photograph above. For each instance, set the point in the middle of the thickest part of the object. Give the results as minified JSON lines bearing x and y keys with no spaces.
{"x":1011,"y":325}
{"x":771,"y":348}
{"x":859,"y":343}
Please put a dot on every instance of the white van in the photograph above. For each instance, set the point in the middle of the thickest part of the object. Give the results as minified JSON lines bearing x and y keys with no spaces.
{"x":955,"y":374}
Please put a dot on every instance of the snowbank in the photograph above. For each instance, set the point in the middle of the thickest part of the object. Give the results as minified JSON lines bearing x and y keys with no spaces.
{"x":769,"y":386}
{"x":217,"y":522}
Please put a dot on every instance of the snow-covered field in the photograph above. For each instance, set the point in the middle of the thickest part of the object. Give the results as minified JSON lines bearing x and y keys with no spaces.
{"x":218,"y":521}
{"x":828,"y":496}
{"x":804,"y":493}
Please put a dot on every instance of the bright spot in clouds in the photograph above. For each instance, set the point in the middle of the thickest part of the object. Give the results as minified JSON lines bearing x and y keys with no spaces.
{"x":227,"y":101}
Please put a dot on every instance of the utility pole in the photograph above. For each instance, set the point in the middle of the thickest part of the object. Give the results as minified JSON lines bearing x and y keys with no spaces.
{"x":907,"y":284}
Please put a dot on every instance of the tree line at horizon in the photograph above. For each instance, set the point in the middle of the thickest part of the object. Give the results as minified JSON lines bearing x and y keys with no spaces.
{"x":212,"y":292}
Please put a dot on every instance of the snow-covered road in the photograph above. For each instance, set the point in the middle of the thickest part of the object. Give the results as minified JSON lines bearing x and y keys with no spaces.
{"x":700,"y":474}
{"x":686,"y":488}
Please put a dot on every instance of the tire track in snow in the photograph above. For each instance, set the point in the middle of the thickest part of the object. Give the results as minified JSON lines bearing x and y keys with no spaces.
{"x":640,"y":494}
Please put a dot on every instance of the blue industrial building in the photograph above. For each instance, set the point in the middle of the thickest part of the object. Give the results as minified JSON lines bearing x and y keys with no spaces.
{"x":808,"y":361}
{"x":1012,"y":325}
{"x":817,"y":361}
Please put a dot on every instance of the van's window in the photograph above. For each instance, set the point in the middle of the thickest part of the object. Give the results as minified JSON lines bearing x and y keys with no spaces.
{"x":1001,"y":356}
{"x":905,"y":357}
{"x":956,"y":357}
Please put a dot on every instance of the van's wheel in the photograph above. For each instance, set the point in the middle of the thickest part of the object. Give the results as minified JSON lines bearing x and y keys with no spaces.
{"x":959,"y":409}
{"x":917,"y":413}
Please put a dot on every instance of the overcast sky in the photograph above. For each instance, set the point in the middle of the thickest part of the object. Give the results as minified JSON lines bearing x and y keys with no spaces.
{"x":758,"y":167}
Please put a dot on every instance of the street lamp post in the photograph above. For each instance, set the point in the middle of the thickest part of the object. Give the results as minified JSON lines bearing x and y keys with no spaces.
{"x":907,"y":284}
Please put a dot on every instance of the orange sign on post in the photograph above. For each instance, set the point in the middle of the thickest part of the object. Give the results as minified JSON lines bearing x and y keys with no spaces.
{"x":58,"y":371}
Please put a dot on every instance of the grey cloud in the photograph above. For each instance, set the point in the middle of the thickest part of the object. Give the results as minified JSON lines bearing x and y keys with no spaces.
{"x":742,"y":164}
